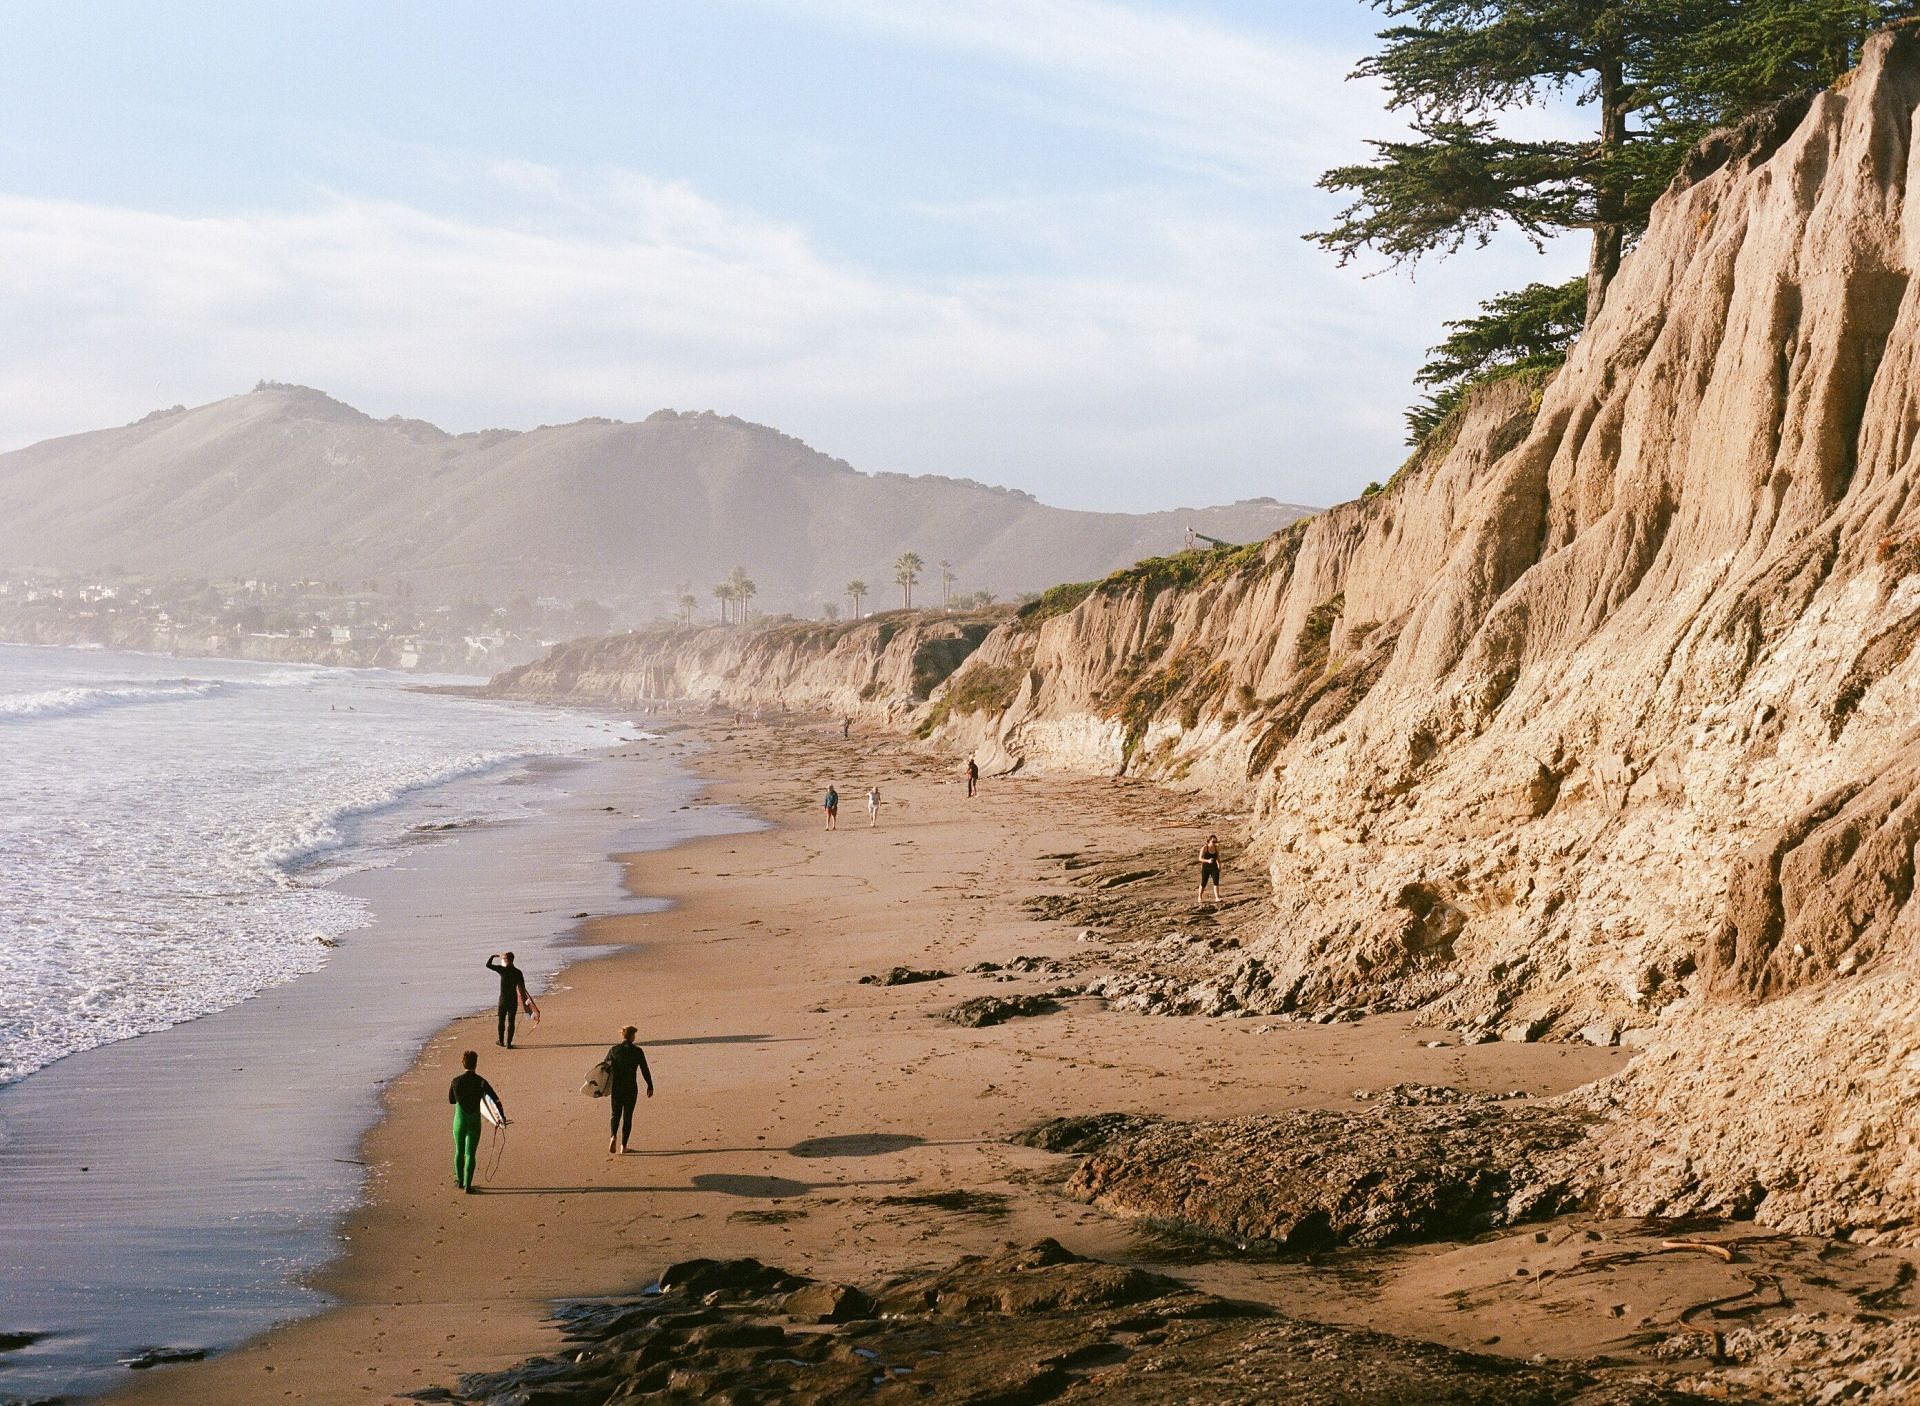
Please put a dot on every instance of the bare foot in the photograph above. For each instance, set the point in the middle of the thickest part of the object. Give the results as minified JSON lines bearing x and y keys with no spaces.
{"x":612,"y":1146}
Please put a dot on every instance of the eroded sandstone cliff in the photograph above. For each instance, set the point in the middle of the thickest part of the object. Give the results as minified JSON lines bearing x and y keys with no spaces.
{"x":1600,"y":720}
{"x":877,"y":669}
{"x":1602,"y":715}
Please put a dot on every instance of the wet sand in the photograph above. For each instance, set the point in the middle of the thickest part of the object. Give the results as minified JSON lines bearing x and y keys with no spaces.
{"x":799,"y":1111}
{"x":173,"y":1190}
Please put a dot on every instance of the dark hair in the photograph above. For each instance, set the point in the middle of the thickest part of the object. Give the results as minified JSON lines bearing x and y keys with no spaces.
{"x":509,"y":957}
{"x":628,"y":1032}
{"x":469,"y":1060}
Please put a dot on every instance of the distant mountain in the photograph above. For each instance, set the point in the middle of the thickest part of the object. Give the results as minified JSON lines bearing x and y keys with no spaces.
{"x":286,"y":482}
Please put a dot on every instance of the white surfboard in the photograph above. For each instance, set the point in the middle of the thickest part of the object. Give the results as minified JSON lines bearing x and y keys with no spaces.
{"x":491,"y":1110}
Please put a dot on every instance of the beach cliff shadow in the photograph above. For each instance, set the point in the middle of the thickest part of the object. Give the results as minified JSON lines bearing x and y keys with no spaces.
{"x":756,"y":1188}
{"x":666,"y":1044}
{"x":836,"y":1145}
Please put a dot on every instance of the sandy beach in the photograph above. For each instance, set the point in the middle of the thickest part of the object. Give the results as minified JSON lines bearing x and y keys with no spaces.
{"x":802,"y":1116}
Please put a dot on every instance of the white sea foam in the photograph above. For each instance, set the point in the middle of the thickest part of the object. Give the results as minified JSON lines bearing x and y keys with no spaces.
{"x":60,"y":702}
{"x":160,"y":862}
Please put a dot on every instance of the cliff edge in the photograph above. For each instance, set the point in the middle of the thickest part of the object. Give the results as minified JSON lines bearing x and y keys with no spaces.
{"x":1600,"y":720}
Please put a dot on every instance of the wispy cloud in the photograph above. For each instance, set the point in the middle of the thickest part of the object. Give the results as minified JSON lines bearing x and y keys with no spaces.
{"x":1240,"y":102}
{"x":1193,"y":348}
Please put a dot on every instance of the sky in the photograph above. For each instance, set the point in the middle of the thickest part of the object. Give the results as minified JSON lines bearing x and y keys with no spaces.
{"x":1052,"y":244}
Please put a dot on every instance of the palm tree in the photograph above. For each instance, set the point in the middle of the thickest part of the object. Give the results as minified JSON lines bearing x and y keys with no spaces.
{"x":856,"y":592}
{"x":743,"y":590}
{"x":687,"y":603}
{"x":906,"y":570}
{"x":947,"y":578}
{"x":723,"y":593}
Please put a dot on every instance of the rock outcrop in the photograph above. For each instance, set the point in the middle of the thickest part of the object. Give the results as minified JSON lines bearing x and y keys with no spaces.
{"x":1601,"y":716}
{"x":879,"y":668}
{"x":1030,"y":1324}
{"x":1444,"y":1166}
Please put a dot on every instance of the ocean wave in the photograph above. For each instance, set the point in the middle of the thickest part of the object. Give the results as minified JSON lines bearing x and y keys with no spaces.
{"x":65,"y":702}
{"x":308,"y":839}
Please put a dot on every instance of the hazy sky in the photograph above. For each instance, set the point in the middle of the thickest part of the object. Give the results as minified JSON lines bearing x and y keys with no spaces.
{"x":1048,"y":243}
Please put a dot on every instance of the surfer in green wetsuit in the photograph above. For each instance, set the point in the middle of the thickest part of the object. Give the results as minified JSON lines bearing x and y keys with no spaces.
{"x":465,"y":1094}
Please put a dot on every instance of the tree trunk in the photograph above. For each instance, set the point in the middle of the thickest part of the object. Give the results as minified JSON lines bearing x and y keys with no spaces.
{"x":1609,"y":228}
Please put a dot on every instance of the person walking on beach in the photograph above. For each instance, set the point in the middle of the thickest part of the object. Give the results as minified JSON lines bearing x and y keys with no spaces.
{"x":873,"y":806}
{"x":513,"y":995}
{"x":973,"y":776}
{"x":1209,"y":869}
{"x":832,"y":805}
{"x":846,"y":728}
{"x":626,"y":1065}
{"x":465,"y":1093}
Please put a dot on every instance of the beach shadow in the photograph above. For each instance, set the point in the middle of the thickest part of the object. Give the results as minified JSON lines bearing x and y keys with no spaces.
{"x":760,"y":1188}
{"x":753,"y":1188}
{"x":664,"y":1044}
{"x":854,"y":1145}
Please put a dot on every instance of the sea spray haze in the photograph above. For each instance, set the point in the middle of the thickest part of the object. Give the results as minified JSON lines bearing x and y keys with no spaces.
{"x":168,"y":827}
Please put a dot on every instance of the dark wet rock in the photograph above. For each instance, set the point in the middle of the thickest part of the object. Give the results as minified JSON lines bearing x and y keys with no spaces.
{"x":827,"y":1303}
{"x":1312,"y":1179}
{"x":13,"y":1342}
{"x":735,"y":1278}
{"x":990,"y":1204}
{"x":1086,"y":1132}
{"x":904,"y":976}
{"x":992,"y":1010}
{"x":1032,"y":1324}
{"x":147,"y":1357}
{"x":1025,"y":965}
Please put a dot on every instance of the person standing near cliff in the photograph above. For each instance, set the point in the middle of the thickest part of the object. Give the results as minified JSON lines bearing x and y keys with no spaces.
{"x":832,"y":806}
{"x":513,"y":996}
{"x":873,"y":806}
{"x":465,"y":1093}
{"x":1209,"y":869}
{"x":626,"y":1065}
{"x":973,"y":776}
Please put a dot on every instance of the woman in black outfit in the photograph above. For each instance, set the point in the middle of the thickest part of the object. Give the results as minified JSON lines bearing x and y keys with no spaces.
{"x":626,"y":1064}
{"x":1209,"y":869}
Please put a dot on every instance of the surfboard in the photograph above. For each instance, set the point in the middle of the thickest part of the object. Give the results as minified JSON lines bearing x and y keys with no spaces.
{"x":599,"y":1083}
{"x":491,"y":1110}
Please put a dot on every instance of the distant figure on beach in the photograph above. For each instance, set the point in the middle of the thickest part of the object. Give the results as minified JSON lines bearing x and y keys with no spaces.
{"x":513,"y":996}
{"x":873,"y":806}
{"x":973,"y":775}
{"x":832,"y":804}
{"x":627,"y":1065}
{"x":465,"y":1093}
{"x":846,"y":727}
{"x":1209,"y":869}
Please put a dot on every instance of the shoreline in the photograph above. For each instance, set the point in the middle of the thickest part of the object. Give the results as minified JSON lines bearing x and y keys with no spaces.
{"x":220,"y":1155}
{"x":804,"y":1118}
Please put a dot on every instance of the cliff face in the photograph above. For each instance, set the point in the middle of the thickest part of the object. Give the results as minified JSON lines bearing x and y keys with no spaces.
{"x":1603,"y":714}
{"x":877,"y":669}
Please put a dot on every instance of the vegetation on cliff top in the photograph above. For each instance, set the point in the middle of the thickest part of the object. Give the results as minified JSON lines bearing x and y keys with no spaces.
{"x":1180,"y":571}
{"x":1655,"y":76}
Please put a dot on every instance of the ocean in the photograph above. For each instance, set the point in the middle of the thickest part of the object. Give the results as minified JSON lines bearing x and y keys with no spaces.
{"x":234,"y":901}
{"x":170,"y":830}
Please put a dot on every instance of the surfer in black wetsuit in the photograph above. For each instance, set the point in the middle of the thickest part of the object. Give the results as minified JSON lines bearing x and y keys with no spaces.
{"x":626,"y":1065}
{"x":513,"y":994}
{"x":465,"y":1094}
